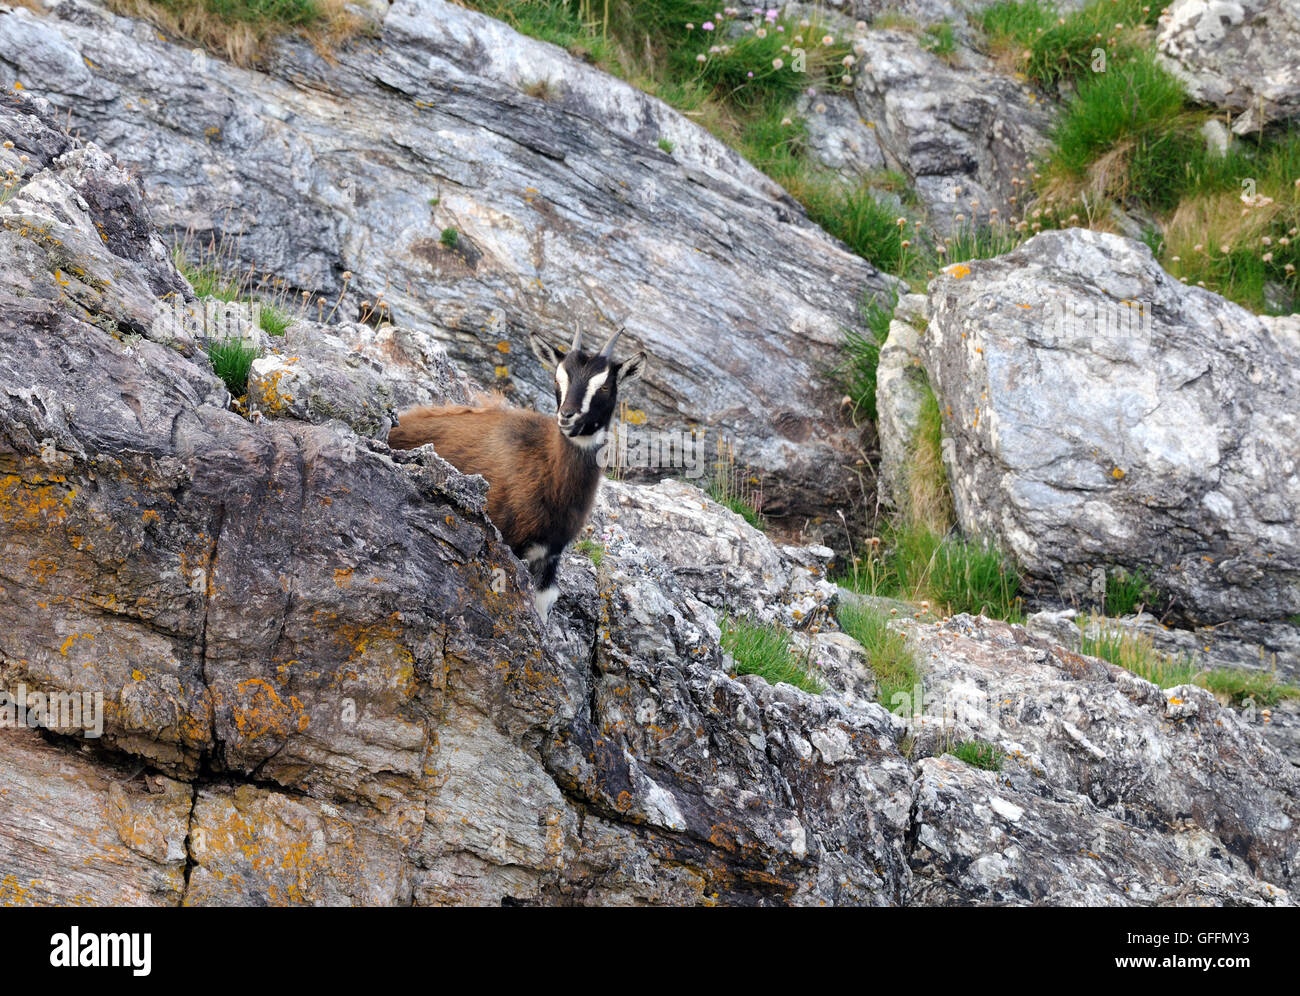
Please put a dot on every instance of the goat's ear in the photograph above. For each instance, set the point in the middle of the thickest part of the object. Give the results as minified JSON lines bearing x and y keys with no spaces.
{"x":631,"y":368}
{"x":549,"y":355}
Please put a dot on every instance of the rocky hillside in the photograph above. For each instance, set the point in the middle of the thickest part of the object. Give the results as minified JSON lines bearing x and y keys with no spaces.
{"x":343,"y":174}
{"x":323,"y":681}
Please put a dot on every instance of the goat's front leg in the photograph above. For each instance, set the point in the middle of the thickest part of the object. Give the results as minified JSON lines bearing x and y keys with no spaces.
{"x":543,"y":565}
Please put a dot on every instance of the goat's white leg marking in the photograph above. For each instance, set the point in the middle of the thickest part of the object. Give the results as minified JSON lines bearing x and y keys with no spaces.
{"x":544,"y":599}
{"x":535,"y":554}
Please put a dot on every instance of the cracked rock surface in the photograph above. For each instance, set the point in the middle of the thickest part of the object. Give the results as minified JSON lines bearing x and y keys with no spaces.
{"x":324,"y":682}
{"x":317,"y":168}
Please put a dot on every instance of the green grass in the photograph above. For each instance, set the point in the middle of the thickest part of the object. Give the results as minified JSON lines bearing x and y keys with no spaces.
{"x":1135,"y":99}
{"x":975,"y":578}
{"x":289,"y":13}
{"x":450,"y":238}
{"x":232,"y":361}
{"x":1060,"y":48}
{"x":1126,"y":591}
{"x":1137,"y":653}
{"x":1238,"y":686}
{"x":241,"y":29}
{"x":273,"y":321}
{"x":888,"y":654}
{"x":1128,"y":137}
{"x":916,"y":564}
{"x":979,"y":754}
{"x":593,"y":551}
{"x":856,"y":218}
{"x":666,"y":146}
{"x":211,"y":281}
{"x":765,"y":649}
{"x":1016,"y":25}
{"x":939,"y":39}
{"x":857,"y":372}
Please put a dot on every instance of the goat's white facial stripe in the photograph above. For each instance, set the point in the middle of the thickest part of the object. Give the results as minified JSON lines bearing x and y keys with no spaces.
{"x":595,"y":384}
{"x":562,"y":378}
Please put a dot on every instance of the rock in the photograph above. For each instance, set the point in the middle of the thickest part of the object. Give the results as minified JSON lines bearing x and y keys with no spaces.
{"x":355,"y":373}
{"x":900,"y":392}
{"x":961,"y":136}
{"x":1076,"y":814}
{"x":565,"y":211}
{"x":1217,"y":138}
{"x":1239,"y":56}
{"x":982,"y":842}
{"x":323,"y":681}
{"x":715,"y":554}
{"x":839,"y":138}
{"x":77,"y":829}
{"x":1099,"y":413}
{"x":325,"y":662}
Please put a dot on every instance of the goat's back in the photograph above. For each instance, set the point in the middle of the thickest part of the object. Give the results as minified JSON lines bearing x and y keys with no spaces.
{"x":539,"y":488}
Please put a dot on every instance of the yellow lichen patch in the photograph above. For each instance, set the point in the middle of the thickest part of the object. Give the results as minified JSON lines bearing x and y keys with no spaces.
{"x":343,"y":577}
{"x":269,"y":396}
{"x":67,"y":644}
{"x":957,"y":271}
{"x":259,"y":711}
{"x":13,"y":893}
{"x":41,"y":568}
{"x":1118,"y":474}
{"x":39,"y":503}
{"x":149,"y":515}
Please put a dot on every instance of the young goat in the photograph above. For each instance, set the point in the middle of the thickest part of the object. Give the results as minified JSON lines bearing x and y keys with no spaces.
{"x":542,"y":475}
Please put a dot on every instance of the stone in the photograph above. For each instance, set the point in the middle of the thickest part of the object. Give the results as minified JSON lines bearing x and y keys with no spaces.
{"x":1100,"y":414}
{"x":1237,"y":55}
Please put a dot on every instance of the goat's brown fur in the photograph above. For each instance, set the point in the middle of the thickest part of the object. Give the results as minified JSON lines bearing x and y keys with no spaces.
{"x":536,"y":477}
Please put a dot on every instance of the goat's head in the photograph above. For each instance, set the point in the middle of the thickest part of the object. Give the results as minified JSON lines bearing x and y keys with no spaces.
{"x":586,"y":384}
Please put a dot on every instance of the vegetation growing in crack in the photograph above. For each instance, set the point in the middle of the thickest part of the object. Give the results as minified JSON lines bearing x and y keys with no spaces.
{"x":242,"y":30}
{"x":979,"y":754}
{"x":1136,"y":652}
{"x":890,"y":658}
{"x":589,"y":548}
{"x":766,"y":649}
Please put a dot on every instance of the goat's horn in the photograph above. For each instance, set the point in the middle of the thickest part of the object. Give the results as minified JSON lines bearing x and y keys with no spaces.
{"x":608,"y":349}
{"x":577,"y":338}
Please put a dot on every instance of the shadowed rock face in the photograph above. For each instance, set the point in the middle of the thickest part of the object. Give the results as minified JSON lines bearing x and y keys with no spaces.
{"x":566,"y":211}
{"x":1100,"y":414}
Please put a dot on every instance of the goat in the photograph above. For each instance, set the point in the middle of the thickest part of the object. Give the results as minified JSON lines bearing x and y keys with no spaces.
{"x":542,"y":474}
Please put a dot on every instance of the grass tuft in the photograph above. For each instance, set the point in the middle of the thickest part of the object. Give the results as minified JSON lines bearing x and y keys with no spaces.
{"x":765,"y":649}
{"x":1127,"y":593}
{"x":888,"y":654}
{"x":857,"y":371}
{"x":593,"y":551}
{"x":243,"y":30}
{"x":232,"y":361}
{"x":979,"y":754}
